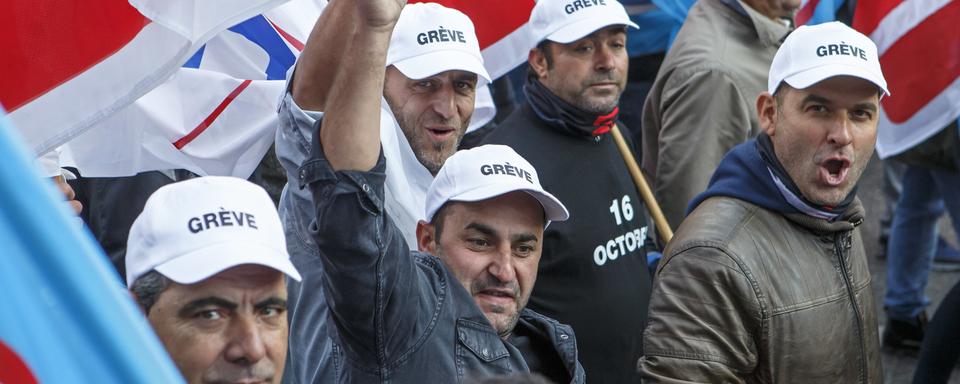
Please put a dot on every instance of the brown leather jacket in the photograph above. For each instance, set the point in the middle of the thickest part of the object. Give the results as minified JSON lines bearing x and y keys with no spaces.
{"x":750,"y":295}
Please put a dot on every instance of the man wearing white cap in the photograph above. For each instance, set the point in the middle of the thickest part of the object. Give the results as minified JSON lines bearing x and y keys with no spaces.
{"x":454,"y":311}
{"x":766,"y":280}
{"x":701,"y":104}
{"x":594,"y":273}
{"x":433,"y":69}
{"x":206,"y":261}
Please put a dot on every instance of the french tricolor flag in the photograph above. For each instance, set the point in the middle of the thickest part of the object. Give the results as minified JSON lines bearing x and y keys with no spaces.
{"x":217,"y":114}
{"x":70,"y":64}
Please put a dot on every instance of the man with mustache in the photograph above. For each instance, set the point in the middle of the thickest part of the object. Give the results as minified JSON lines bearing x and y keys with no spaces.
{"x":432,"y":72}
{"x":206,"y":261}
{"x":455,"y":310}
{"x":594,"y":273}
{"x":766,"y":279}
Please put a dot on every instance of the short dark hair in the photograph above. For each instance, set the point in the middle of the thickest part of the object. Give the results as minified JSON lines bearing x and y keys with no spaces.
{"x":147,"y":289}
{"x":543,"y":46}
{"x":438,"y":219}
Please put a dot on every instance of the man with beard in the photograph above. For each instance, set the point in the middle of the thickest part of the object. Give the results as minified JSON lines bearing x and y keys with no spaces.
{"x":593,"y":274}
{"x":454,"y":311}
{"x":432,"y":70}
{"x":206,"y":261}
{"x":766,"y":280}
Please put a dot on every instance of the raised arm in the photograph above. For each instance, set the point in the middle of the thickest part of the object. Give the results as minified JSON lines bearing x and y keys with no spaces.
{"x":351,"y":128}
{"x":322,"y":55}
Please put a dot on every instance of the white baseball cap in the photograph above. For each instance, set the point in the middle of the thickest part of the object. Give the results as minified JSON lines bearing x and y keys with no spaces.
{"x":194,"y":229}
{"x":485,"y":172}
{"x":430,"y":38}
{"x":566,"y":21}
{"x":811,"y":54}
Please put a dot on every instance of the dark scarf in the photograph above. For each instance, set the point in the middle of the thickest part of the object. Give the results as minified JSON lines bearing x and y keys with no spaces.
{"x":562,"y":115}
{"x":752,"y":173}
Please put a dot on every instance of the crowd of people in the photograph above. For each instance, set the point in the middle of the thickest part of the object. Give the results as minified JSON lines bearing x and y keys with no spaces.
{"x":400,"y":252}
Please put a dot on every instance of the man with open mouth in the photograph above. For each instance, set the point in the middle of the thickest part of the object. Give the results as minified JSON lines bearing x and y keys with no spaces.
{"x":766,"y":280}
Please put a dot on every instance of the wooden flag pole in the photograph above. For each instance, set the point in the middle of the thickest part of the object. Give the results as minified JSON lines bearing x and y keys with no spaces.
{"x":663,"y":228}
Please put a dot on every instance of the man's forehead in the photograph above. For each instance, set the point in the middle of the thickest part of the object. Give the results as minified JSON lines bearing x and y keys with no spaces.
{"x":843,"y":84}
{"x":603,"y":32}
{"x":453,"y":74}
{"x":517,"y":200}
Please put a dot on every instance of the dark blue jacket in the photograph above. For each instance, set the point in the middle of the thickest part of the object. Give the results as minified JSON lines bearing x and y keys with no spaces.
{"x":402,"y":316}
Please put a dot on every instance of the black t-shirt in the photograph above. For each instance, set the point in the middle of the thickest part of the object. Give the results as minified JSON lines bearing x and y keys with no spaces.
{"x":593,"y":271}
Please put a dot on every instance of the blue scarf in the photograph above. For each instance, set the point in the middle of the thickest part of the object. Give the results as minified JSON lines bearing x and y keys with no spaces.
{"x":752,"y":173}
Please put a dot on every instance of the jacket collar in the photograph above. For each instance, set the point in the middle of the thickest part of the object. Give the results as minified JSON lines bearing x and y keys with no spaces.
{"x":850,"y":219}
{"x":771,"y":33}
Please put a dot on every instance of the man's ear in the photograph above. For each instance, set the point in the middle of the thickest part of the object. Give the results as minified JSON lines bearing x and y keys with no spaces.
{"x":538,"y":62}
{"x":426,"y":237}
{"x":767,"y":113}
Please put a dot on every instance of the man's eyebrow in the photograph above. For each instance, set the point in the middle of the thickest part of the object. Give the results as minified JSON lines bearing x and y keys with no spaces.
{"x":525,"y":237}
{"x":872,"y":107}
{"x":482,"y":228}
{"x":811,"y":98}
{"x":271,"y":302}
{"x":466,"y":77}
{"x":212,"y":301}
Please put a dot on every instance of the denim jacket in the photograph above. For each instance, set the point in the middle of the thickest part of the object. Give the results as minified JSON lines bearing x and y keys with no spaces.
{"x":401,"y":315}
{"x":310,"y":351}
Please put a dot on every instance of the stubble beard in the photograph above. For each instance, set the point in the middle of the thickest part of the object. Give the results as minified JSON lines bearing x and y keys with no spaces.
{"x":598,"y":105}
{"x":430,"y":154}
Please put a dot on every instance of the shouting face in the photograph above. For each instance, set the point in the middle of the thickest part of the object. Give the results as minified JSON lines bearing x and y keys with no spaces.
{"x":824,"y":134}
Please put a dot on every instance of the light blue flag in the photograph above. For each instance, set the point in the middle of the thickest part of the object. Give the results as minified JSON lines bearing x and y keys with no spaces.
{"x":65,"y":313}
{"x":825,"y":11}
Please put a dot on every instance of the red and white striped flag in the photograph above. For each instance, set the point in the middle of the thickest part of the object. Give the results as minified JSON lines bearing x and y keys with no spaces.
{"x":919,"y":46}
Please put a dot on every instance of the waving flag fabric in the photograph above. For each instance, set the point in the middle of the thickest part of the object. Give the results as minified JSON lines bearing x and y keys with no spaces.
{"x":69,"y":64}
{"x":217,"y":115}
{"x":919,"y":46}
{"x":67,"y":317}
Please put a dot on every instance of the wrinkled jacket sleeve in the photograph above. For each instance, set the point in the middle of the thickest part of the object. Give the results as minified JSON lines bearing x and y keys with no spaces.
{"x":703,"y":115}
{"x":703,"y":322}
{"x":372,"y":284}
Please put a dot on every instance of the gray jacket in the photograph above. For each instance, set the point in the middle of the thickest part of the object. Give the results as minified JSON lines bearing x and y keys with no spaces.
{"x":703,"y":102}
{"x":402,"y":316}
{"x":750,"y":295}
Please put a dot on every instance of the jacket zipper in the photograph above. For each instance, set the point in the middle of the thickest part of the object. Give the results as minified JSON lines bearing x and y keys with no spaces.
{"x":838,"y":245}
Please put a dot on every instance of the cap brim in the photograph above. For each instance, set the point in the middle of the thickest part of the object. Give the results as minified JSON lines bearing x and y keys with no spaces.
{"x":552,"y":207}
{"x":432,"y":63}
{"x":203,"y":263}
{"x":578,"y":30}
{"x":812,"y":76}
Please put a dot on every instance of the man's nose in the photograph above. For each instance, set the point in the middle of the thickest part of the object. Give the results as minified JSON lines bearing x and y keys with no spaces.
{"x":840,"y":133}
{"x":246,"y":345}
{"x":445,"y":102}
{"x":604,"y":58}
{"x":501,"y":266}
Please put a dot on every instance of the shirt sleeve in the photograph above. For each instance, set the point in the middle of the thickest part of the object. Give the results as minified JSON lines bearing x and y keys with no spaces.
{"x":703,"y":321}
{"x":375,"y":291}
{"x":703,"y":115}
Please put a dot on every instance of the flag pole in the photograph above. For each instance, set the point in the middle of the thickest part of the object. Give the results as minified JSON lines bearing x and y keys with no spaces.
{"x":663,"y":228}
